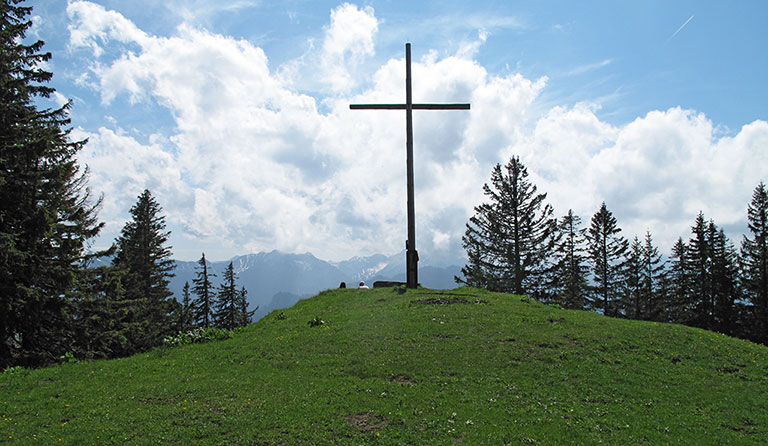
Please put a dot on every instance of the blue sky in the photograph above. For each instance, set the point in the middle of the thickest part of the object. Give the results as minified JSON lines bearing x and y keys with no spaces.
{"x":234,"y":114}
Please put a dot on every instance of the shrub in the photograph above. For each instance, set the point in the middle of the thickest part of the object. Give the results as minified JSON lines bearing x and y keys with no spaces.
{"x":12,"y":370}
{"x":199,"y":336}
{"x":316,"y":322}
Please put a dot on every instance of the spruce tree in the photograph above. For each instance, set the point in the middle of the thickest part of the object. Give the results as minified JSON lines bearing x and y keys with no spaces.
{"x":679,"y":303}
{"x":46,"y":215}
{"x":724,"y":273}
{"x":632,"y":301}
{"x":143,"y":254}
{"x":510,"y":238}
{"x":570,"y":274}
{"x":754,"y":261}
{"x":227,"y":309}
{"x":244,"y":316}
{"x":186,"y":320}
{"x":98,"y":315}
{"x":713,"y":274}
{"x":606,"y":248}
{"x":205,"y":301}
{"x":653,"y":277}
{"x":699,"y":261}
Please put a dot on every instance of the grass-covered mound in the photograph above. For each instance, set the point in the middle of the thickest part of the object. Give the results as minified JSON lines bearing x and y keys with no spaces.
{"x":419,"y":367}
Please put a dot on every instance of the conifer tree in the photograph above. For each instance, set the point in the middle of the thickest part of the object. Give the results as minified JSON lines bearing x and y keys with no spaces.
{"x":632,"y":299}
{"x":510,"y":238}
{"x":227,"y":309}
{"x":653,"y":277}
{"x":606,"y":248}
{"x":679,"y":306}
{"x":754,"y":261}
{"x":186,"y":319}
{"x":143,"y":255}
{"x":232,"y":304}
{"x":724,"y":273}
{"x":205,"y":301}
{"x":245,"y":316}
{"x":699,"y":259}
{"x":98,"y":315}
{"x":46,"y":215}
{"x":712,"y":261}
{"x":570,"y":274}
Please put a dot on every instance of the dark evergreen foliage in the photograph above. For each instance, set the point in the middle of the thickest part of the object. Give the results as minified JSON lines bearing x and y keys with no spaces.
{"x":46,"y":215}
{"x":644,"y":282}
{"x":510,"y":238}
{"x":699,"y":258}
{"x":231,"y":308}
{"x":205,"y":301}
{"x":653,"y":280}
{"x":186,"y":319}
{"x":724,"y":271}
{"x":99,"y":314}
{"x":146,"y":261}
{"x":632,"y":302}
{"x":606,"y":248}
{"x":569,"y":283}
{"x":753,"y":260}
{"x":227,"y":307}
{"x":244,"y":316}
{"x":679,"y":300}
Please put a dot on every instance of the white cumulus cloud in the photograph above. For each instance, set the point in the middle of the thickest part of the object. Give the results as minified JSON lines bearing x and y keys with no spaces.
{"x":254,"y":162}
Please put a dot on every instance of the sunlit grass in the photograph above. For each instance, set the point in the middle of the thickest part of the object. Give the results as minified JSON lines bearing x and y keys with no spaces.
{"x":419,"y":367}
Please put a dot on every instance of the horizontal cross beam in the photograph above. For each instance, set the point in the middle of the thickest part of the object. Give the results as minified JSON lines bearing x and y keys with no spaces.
{"x":413,"y":106}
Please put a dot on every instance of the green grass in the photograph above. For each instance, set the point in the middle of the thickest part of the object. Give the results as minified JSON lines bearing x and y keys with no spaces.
{"x":384,"y":369}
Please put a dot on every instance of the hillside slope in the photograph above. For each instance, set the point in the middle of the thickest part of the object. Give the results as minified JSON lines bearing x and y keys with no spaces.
{"x":416,"y":367}
{"x":278,"y":280}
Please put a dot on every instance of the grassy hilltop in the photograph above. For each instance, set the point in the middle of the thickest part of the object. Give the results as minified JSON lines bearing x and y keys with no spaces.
{"x":417,"y":367}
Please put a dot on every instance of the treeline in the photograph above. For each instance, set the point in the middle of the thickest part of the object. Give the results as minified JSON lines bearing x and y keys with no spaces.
{"x":52,"y":302}
{"x":515,"y":244}
{"x":225,"y":307}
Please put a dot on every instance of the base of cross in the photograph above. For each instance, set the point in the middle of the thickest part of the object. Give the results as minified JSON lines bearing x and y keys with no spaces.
{"x":387,"y":284}
{"x":412,"y":268}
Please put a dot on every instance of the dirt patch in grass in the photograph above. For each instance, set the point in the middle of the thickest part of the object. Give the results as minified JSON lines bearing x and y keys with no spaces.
{"x":402,"y":379}
{"x":366,"y":421}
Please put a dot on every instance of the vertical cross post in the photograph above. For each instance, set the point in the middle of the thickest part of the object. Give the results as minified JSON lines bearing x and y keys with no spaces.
{"x":411,"y":255}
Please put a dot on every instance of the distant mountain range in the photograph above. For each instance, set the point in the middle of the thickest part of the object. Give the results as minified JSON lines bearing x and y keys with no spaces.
{"x":279,"y":280}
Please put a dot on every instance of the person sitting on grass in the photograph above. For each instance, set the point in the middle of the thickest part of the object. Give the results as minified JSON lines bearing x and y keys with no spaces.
{"x":362,"y":286}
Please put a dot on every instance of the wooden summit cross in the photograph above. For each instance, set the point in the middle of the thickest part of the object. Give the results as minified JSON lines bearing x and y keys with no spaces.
{"x":411,"y":255}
